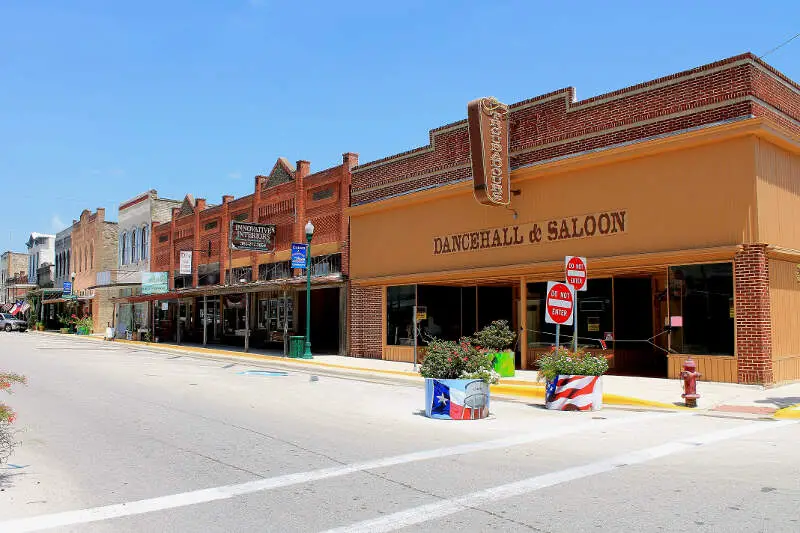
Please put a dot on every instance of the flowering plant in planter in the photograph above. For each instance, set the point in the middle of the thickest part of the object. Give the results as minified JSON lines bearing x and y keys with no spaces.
{"x":574,"y":379}
{"x":497,"y":338}
{"x":563,"y":361}
{"x":83,"y":324}
{"x":457,"y":360}
{"x":7,"y":415}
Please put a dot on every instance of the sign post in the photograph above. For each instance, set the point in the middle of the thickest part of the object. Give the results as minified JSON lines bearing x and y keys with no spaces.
{"x":576,"y":278}
{"x":560,"y":304}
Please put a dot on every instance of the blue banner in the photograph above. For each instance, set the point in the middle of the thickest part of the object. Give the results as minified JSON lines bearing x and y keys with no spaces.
{"x":67,"y":290}
{"x":299,"y":251}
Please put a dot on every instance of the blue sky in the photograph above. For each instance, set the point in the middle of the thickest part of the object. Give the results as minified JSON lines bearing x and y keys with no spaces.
{"x":100,"y":100}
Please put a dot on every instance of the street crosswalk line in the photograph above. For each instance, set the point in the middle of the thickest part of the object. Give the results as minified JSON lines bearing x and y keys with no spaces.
{"x":106,"y":512}
{"x":474,"y":500}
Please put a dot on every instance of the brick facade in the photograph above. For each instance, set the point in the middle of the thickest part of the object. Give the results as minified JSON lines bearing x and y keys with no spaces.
{"x":94,"y":249}
{"x":365,"y":321}
{"x":753,"y":323}
{"x":287,"y":197}
{"x":555,"y":125}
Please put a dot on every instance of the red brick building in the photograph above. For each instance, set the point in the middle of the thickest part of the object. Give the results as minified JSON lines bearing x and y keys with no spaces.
{"x":700,"y":168}
{"x":212,"y":297}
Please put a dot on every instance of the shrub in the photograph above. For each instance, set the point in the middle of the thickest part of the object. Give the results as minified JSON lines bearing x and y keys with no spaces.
{"x":563,"y":361}
{"x":496,"y":337}
{"x":457,"y":360}
{"x":7,"y":415}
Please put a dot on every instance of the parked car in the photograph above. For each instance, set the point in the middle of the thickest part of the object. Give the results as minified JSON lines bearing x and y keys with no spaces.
{"x":9,"y":322}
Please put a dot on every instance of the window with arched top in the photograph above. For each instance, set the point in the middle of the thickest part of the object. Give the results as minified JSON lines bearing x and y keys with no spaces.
{"x":145,"y":243}
{"x":91,"y":256}
{"x":123,"y":249}
{"x":68,"y":268}
{"x":135,"y":246}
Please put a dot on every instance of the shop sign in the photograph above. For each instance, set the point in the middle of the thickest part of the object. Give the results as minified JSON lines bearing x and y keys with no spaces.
{"x":253,"y":237}
{"x":576,"y":272}
{"x":552,"y":230}
{"x":422,"y":313}
{"x":487,"y":121}
{"x":186,"y":262}
{"x":299,"y":251}
{"x":559,"y":304}
{"x":154,"y":283}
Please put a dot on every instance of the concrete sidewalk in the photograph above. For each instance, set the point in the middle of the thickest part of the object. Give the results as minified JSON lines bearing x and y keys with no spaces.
{"x":782,"y":401}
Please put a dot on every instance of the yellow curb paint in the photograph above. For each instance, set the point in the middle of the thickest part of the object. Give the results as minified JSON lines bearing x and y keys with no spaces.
{"x":791,"y":412}
{"x":525,"y":389}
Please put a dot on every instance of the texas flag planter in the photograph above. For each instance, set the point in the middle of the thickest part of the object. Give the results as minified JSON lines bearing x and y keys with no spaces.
{"x":575,"y":393}
{"x":456,"y":399}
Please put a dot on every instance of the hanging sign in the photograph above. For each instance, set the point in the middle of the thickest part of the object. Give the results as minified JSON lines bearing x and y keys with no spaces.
{"x":252,"y":236}
{"x":186,"y":262}
{"x":299,"y":251}
{"x":67,"y":289}
{"x":576,"y":272}
{"x":487,"y":121}
{"x":560,"y":302}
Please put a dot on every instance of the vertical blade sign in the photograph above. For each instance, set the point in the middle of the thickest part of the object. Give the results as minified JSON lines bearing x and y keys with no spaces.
{"x":487,"y":121}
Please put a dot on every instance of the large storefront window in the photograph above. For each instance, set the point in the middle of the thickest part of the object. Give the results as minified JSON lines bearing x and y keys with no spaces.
{"x":400,"y":303}
{"x":443,"y":308}
{"x":701,"y":301}
{"x":595,"y":315}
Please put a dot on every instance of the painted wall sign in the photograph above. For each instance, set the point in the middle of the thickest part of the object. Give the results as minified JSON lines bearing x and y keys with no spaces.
{"x":487,"y":121}
{"x":557,"y":229}
{"x":154,"y":283}
{"x":252,"y":236}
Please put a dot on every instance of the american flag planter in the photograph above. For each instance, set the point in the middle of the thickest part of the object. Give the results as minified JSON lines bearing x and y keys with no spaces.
{"x":456,"y":399}
{"x":574,"y":393}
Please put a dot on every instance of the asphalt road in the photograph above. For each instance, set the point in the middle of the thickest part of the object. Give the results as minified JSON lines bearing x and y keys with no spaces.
{"x":120,"y":438}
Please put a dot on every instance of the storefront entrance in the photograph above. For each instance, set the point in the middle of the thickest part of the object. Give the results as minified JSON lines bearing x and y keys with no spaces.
{"x":639,"y":336}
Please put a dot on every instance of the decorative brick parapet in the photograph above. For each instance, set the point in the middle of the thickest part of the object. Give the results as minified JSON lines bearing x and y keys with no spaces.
{"x":753,"y":323}
{"x":557,"y":125}
{"x":366,"y":315}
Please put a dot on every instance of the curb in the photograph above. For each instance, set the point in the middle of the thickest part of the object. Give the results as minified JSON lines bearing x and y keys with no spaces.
{"x":518,"y":389}
{"x":788,"y":413}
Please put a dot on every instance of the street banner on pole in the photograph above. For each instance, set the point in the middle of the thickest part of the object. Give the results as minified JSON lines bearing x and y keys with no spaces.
{"x":299,"y":251}
{"x":186,"y":262}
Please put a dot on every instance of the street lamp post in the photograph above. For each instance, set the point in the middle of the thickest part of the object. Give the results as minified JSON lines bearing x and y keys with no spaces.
{"x":309,"y":234}
{"x":246,"y":318}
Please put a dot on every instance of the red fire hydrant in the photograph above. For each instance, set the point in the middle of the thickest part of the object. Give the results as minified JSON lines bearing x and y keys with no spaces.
{"x":689,"y":376}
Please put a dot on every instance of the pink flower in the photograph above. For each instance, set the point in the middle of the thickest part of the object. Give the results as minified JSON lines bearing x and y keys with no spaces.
{"x":449,"y":359}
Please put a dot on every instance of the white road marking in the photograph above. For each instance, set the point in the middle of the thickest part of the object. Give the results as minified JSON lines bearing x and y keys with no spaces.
{"x":95,"y":514}
{"x":440,"y":509}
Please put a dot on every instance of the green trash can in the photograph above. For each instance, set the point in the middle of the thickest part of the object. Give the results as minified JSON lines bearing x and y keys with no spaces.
{"x":504,"y":364}
{"x":297,"y":346}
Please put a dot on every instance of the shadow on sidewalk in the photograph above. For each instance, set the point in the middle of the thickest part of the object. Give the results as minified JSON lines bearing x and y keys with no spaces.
{"x":781,"y":402}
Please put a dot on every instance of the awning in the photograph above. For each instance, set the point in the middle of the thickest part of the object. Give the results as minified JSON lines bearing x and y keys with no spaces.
{"x":218,"y":290}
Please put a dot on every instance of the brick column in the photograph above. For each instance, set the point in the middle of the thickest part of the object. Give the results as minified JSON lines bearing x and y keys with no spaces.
{"x":254,"y":218}
{"x":224,"y":244}
{"x":171,"y":275}
{"x":299,"y":234}
{"x":366,"y":315}
{"x":349,"y":160}
{"x":199,"y":205}
{"x":753,"y":325}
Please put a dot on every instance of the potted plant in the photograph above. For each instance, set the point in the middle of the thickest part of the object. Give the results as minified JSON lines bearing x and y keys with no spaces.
{"x":39,"y":326}
{"x":574,"y":379}
{"x":457,"y":377}
{"x":83,"y":325}
{"x":496,"y":339}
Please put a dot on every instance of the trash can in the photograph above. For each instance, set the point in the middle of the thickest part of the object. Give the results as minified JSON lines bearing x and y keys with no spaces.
{"x":504,"y":364}
{"x":297,"y":345}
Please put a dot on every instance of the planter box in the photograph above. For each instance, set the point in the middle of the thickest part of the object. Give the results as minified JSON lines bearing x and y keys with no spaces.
{"x":504,"y":363}
{"x":456,"y":399}
{"x":64,"y":330}
{"x":83,"y":331}
{"x":575,"y":393}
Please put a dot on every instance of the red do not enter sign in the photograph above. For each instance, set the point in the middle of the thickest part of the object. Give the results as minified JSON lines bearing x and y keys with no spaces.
{"x":576,"y":272}
{"x":559,"y":303}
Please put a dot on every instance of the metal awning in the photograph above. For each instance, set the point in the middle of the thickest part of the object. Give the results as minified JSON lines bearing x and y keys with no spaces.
{"x":219,"y":290}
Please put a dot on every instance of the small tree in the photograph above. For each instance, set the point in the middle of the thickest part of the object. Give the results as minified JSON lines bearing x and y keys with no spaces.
{"x":7,"y":415}
{"x":496,"y":337}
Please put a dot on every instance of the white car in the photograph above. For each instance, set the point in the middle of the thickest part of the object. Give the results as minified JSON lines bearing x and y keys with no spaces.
{"x":9,"y":322}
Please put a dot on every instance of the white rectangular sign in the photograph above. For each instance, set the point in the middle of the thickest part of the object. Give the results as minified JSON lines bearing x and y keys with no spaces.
{"x":186,"y":262}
